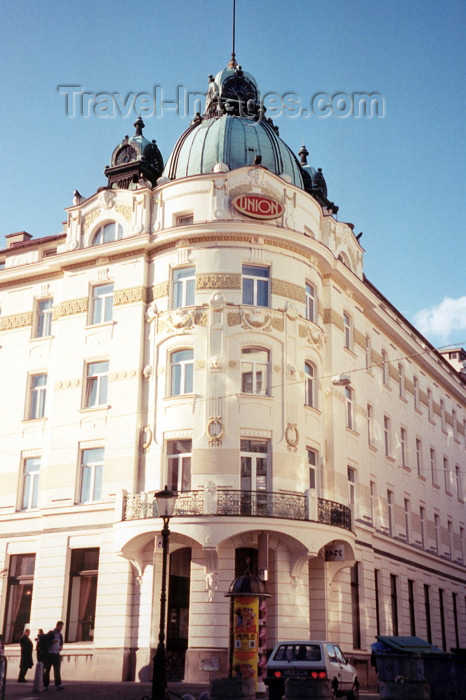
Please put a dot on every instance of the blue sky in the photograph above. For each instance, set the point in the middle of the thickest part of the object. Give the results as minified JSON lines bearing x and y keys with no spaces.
{"x":399,"y":178}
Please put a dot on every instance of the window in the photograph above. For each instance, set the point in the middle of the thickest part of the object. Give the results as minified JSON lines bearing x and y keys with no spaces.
{"x":348,"y":331}
{"x":390,"y":511}
{"x":255,"y":370}
{"x":455,"y":424}
{"x":38,"y":391}
{"x":432,"y":465}
{"x":377,"y":599}
{"x":384,"y":367}
{"x":454,"y":600}
{"x":401,"y":381}
{"x":373,"y":501}
{"x":403,"y":445}
{"x":386,"y":435}
{"x":441,"y":594}
{"x":355,"y":606}
{"x":462,"y":557}
{"x":349,"y":407}
{"x":450,"y":538}
{"x":370,"y":424}
{"x":437,"y":533}
{"x":92,"y":467}
{"x":311,"y":309}
{"x":422,"y":519}
{"x":31,"y":470}
{"x":430,"y":405}
{"x":442,"y":414}
{"x":102,"y":303}
{"x":96,"y":384}
{"x":419,"y":455}
{"x":184,"y":220}
{"x":394,"y":604}
{"x":427,"y":612}
{"x":179,"y":465}
{"x":20,"y":585}
{"x":181,"y":372}
{"x":312,"y":463}
{"x":406,"y":505}
{"x":310,"y":397}
{"x":368,"y":352}
{"x":351,"y":487}
{"x":44,"y":318}
{"x":412,"y":608}
{"x":184,"y":284}
{"x":446,"y":474}
{"x":82,"y":595}
{"x":416,"y":392}
{"x":254,"y":476}
{"x":255,"y":285}
{"x":459,"y":491}
{"x":108,"y":233}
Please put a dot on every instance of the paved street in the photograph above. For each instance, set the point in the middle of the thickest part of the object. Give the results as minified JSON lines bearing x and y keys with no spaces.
{"x":86,"y":690}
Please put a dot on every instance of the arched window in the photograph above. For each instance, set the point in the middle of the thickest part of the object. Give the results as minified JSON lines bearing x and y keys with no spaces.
{"x":310,"y":394}
{"x":181,"y":372}
{"x":108,"y":233}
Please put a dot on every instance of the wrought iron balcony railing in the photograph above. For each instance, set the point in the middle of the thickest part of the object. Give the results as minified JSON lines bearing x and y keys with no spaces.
{"x":229,"y":502}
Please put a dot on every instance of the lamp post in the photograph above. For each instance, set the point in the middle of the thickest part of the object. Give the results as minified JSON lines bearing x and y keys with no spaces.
{"x":166,"y":504}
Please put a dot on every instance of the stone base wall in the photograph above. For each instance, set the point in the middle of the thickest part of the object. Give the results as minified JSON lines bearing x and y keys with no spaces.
{"x":203,"y":665}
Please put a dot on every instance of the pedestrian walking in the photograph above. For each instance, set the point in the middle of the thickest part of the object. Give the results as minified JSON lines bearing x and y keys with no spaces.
{"x":41,"y":652}
{"x":54,"y":642}
{"x":26,"y":661}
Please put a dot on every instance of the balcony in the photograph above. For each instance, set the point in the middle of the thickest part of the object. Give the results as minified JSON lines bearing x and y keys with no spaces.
{"x":231,"y":503}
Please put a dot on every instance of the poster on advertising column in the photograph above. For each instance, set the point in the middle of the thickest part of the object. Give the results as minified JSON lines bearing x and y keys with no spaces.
{"x":245,"y":637}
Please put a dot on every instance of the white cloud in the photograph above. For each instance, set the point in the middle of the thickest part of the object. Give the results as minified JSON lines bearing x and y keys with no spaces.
{"x":445,"y":322}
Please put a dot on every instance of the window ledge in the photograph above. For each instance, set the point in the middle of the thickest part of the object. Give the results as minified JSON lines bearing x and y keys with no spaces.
{"x":352,"y":431}
{"x":248,"y":395}
{"x":175,"y":397}
{"x":372,"y":447}
{"x":406,"y":468}
{"x":91,"y":326}
{"x":42,"y":419}
{"x":38,"y":338}
{"x":390,"y":459}
{"x":93,"y":409}
{"x":422,"y":477}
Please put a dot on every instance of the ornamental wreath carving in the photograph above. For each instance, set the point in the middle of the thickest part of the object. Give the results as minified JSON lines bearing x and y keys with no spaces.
{"x":256,"y":318}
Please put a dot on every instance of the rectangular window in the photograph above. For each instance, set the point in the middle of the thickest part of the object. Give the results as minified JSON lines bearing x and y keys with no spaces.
{"x":349,"y":407}
{"x":312,"y":463}
{"x":310,"y":389}
{"x":348,"y":331}
{"x":38,"y":391}
{"x":370,"y":424}
{"x":102,"y":303}
{"x":183,"y":287}
{"x":462,"y":544}
{"x":454,"y":600}
{"x":427,"y":613}
{"x":442,"y":414}
{"x":373,"y":497}
{"x":459,"y":490}
{"x":351,"y":487}
{"x":422,"y":518}
{"x":437,"y":533}
{"x":181,"y":372}
{"x":441,"y":596}
{"x":450,"y":539}
{"x":377,"y":599}
{"x":179,"y":465}
{"x":416,"y":392}
{"x":455,"y":425}
{"x":355,"y":607}
{"x":407,"y":512}
{"x":31,"y":472}
{"x":255,"y":371}
{"x":390,"y":511}
{"x":44,"y":318}
{"x":419,"y":455}
{"x":401,"y":381}
{"x":368,"y":352}
{"x":92,"y":467}
{"x":446,"y":474}
{"x":184,"y":220}
{"x":96,"y":384}
{"x":254,"y":476}
{"x":385,"y":367}
{"x":412,"y":608}
{"x":82,"y":595}
{"x":430,"y":405}
{"x":311,"y":306}
{"x":255,"y":285}
{"x":386,"y":435}
{"x":20,"y":585}
{"x":404,"y":448}
{"x":432,"y":465}
{"x":394,"y":604}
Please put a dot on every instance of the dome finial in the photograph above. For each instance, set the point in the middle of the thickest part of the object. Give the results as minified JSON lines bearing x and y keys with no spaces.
{"x":233,"y":63}
{"x":139,"y":124}
{"x":303,"y":153}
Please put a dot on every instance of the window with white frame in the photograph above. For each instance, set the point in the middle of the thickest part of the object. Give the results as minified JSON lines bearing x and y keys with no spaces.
{"x":351,"y":474}
{"x":446,"y":474}
{"x":450,"y":538}
{"x":433,"y":466}
{"x":422,"y":520}
{"x":404,"y":446}
{"x":368,"y":352}
{"x":349,"y":408}
{"x":459,"y":490}
{"x":430,"y":405}
{"x":181,"y":372}
{"x":179,"y":465}
{"x":310,"y":382}
{"x":407,"y":509}
{"x":348,"y":330}
{"x":92,"y":468}
{"x":255,"y":285}
{"x":255,"y":371}
{"x":96,"y":384}
{"x":37,"y":395}
{"x":401,"y":381}
{"x":31,"y":473}
{"x":43,"y":318}
{"x":102,"y":303}
{"x":387,"y":435}
{"x":455,"y":425}
{"x":437,"y":533}
{"x":184,"y":219}
{"x":442,"y":414}
{"x":373,"y":502}
{"x":370,"y":424}
{"x":419,"y":455}
{"x":183,"y":287}
{"x":312,"y":461}
{"x":311,"y":302}
{"x":416,"y":392}
{"x":385,"y":367}
{"x":390,"y":511}
{"x":108,"y":233}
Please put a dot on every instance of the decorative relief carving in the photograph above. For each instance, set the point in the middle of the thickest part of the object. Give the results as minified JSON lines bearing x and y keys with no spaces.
{"x":160,"y":290}
{"x":288,"y":290}
{"x":107,"y":199}
{"x":278,"y":323}
{"x":292,"y":437}
{"x":256,"y":318}
{"x":146,"y":436}
{"x":151,"y":313}
{"x":291,"y":310}
{"x":214,"y":430}
{"x":74,"y":306}
{"x":67,"y":384}
{"x":185,"y":319}
{"x":128,"y":296}
{"x":90,"y":218}
{"x":216,"y":364}
{"x":148,"y":372}
{"x":124,"y":210}
{"x":234,"y":318}
{"x":313,"y":334}
{"x":218,"y":281}
{"x":16,"y":321}
{"x":217,"y":302}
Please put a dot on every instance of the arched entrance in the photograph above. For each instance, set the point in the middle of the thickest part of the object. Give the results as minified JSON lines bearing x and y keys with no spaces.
{"x":178,"y":611}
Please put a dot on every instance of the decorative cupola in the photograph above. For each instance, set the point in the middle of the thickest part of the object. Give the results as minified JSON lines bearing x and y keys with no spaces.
{"x":136,"y":161}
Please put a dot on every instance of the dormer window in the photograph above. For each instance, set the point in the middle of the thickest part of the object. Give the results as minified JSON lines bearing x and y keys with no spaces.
{"x":108,"y":233}
{"x":184,"y":220}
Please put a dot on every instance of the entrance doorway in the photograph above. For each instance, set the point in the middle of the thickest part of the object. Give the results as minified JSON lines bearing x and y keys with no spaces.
{"x":178,"y":612}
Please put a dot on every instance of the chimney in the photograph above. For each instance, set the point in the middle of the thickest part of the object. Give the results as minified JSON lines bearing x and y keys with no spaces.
{"x":12,"y":239}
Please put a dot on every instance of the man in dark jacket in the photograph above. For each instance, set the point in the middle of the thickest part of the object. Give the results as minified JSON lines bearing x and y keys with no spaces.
{"x":54,"y":640}
{"x":26,"y":661}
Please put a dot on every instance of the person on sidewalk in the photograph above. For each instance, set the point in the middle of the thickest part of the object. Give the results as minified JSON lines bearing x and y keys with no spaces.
{"x":25,"y":662}
{"x":54,"y":640}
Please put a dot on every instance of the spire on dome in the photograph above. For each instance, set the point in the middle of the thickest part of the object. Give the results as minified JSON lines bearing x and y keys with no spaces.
{"x":139,"y":124}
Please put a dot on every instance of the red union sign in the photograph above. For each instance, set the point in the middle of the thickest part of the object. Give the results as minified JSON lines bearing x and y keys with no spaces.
{"x":257,"y":206}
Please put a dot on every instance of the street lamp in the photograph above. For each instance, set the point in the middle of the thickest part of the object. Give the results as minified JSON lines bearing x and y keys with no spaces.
{"x":166,"y":505}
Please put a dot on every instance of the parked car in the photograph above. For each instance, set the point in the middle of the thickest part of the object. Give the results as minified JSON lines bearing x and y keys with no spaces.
{"x":313,"y":660}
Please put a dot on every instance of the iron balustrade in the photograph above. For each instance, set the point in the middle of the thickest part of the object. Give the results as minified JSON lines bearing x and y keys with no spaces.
{"x":230,"y":502}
